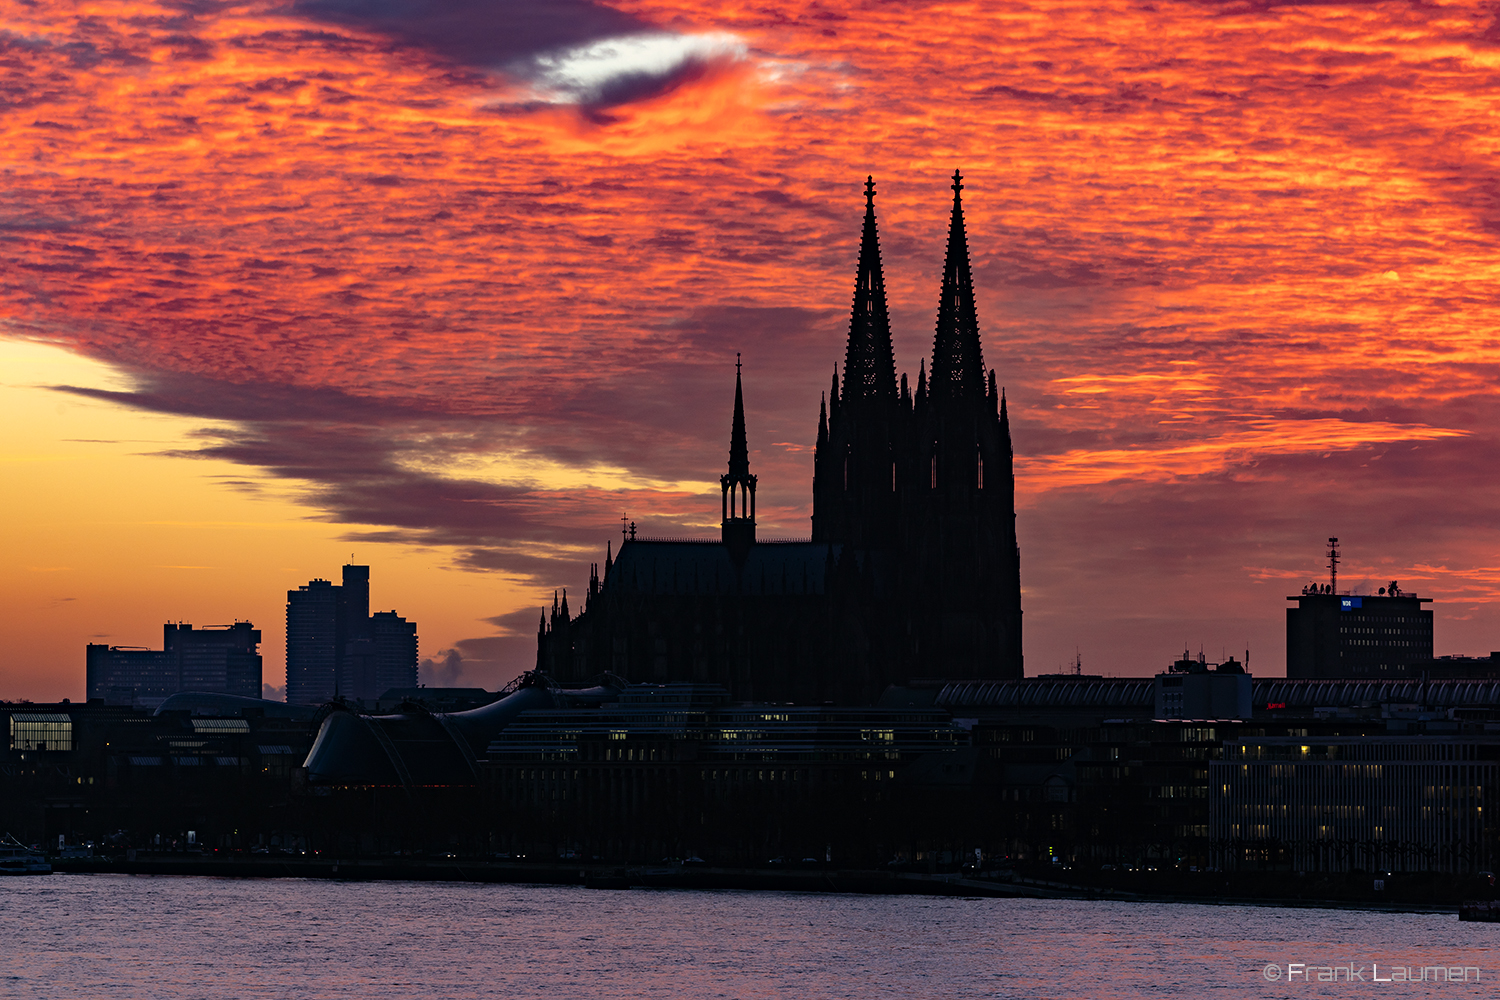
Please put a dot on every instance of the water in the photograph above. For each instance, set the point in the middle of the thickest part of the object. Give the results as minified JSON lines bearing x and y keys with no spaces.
{"x":109,"y":937}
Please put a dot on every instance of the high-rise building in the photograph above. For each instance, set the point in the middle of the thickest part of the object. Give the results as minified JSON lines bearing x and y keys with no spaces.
{"x":312,"y":659}
{"x":1376,"y":637}
{"x":216,"y":658}
{"x":336,"y":648}
{"x":395,"y":641}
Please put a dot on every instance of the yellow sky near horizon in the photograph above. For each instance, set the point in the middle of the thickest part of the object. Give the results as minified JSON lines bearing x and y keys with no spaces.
{"x":109,"y":532}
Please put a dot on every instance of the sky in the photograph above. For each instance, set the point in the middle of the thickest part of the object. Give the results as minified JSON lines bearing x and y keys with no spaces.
{"x":445,"y":287}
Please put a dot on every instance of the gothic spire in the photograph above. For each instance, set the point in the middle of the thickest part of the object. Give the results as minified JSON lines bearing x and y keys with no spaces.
{"x":822,"y":422}
{"x":739,"y":448}
{"x":737,"y":486}
{"x":957,"y":363}
{"x":869,"y":365}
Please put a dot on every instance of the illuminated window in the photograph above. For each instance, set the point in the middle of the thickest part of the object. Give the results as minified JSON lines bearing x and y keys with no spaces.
{"x":41,"y":731}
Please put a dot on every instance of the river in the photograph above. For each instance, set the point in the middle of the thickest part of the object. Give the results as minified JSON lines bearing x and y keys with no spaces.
{"x":101,"y":937}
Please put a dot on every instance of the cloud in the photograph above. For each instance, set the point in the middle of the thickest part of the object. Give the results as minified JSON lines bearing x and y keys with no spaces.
{"x":614,"y":71}
{"x":563,"y":51}
{"x":482,"y":331}
{"x":490,"y":662}
{"x":347,"y":454}
{"x":444,"y":670}
{"x":483,"y":33}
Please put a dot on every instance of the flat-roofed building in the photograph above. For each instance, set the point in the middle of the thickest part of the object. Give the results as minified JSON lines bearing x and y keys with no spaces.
{"x":1192,"y":689}
{"x":336,"y":648}
{"x":47,"y":731}
{"x":221,"y":659}
{"x":1369,"y":803}
{"x":1377,"y":637}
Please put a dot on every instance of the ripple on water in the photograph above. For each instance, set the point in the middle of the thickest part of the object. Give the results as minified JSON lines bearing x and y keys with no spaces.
{"x":105,"y":937}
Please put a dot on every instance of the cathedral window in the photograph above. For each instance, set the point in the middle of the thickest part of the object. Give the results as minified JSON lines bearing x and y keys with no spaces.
{"x":981,"y":470}
{"x":934,"y":470}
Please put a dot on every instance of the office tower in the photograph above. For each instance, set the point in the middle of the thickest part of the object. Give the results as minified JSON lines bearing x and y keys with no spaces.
{"x":215,"y":658}
{"x":335,"y":648}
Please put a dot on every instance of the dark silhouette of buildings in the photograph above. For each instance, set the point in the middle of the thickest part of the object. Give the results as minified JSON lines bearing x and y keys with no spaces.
{"x":1193,"y":690}
{"x":1073,"y":768}
{"x":312,"y":642}
{"x":335,"y":647}
{"x":215,"y":658}
{"x":1387,"y":802}
{"x":912,"y":569}
{"x":1457,"y":668}
{"x":1377,"y":636}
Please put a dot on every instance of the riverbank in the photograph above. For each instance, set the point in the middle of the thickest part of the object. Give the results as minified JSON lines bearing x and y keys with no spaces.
{"x":676,"y":876}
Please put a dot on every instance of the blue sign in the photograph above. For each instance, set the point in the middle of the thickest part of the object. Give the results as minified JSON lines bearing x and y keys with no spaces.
{"x":1349,"y":603}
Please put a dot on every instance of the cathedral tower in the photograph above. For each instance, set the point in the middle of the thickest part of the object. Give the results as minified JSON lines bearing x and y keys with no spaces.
{"x":854,"y":470}
{"x":958,"y":503}
{"x":917,"y":490}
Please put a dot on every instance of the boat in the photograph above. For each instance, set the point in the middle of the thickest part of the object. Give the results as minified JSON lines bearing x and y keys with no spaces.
{"x":18,"y":859}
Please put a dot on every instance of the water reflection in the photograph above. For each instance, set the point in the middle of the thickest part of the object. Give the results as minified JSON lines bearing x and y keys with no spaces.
{"x":166,"y":937}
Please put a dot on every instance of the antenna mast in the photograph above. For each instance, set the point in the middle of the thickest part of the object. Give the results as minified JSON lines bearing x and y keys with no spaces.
{"x":1333,"y":565}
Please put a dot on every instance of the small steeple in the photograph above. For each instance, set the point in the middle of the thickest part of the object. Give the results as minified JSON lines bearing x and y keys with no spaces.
{"x":737,"y":486}
{"x":822,"y":423}
{"x":739,"y":448}
{"x":833,"y":392}
{"x":869,"y":365}
{"x":921,"y":381}
{"x":957,"y":363}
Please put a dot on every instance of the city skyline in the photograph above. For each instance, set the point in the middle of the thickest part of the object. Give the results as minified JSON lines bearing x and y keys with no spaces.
{"x":292,"y":285}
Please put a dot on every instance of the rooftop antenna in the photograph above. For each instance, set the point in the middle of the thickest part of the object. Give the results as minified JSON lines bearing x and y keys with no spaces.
{"x":1333,"y":565}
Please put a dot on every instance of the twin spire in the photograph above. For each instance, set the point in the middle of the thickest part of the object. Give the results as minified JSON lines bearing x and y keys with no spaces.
{"x":870,"y":364}
{"x":957,"y":361}
{"x":957,"y":371}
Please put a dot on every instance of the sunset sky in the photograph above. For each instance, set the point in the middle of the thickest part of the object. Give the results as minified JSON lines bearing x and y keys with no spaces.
{"x":446,"y":287}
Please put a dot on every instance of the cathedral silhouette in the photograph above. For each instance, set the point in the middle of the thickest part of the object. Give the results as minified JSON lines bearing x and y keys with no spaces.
{"x":912,"y":570}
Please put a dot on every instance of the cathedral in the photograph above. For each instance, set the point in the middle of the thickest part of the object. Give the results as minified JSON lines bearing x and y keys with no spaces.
{"x":912,"y":570}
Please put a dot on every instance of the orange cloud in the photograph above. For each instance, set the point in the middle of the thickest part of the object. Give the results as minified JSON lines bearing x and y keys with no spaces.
{"x":377,"y":253}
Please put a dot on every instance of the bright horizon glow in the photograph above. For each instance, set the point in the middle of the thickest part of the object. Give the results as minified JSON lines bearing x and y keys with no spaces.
{"x":117,"y":533}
